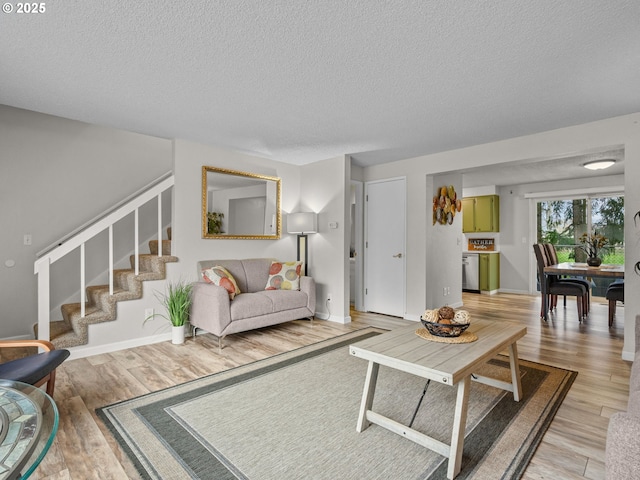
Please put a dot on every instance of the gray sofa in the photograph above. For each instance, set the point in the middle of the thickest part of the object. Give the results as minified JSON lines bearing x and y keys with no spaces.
{"x":622,"y":459}
{"x":254,"y":307}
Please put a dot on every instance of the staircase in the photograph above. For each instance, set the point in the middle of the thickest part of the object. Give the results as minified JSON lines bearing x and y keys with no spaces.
{"x":98,"y":303}
{"x":101,"y":307}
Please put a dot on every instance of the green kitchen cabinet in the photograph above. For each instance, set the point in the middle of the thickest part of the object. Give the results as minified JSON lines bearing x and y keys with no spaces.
{"x":468,"y":217}
{"x":481,"y":214}
{"x":489,"y":272}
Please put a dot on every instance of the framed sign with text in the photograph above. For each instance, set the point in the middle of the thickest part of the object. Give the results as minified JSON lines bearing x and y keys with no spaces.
{"x":482,"y":244}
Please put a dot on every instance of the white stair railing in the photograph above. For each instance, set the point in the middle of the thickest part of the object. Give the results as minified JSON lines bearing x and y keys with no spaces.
{"x":80,"y":236}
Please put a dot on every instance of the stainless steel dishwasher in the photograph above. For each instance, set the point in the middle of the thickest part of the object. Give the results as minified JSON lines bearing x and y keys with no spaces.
{"x":470,"y":272}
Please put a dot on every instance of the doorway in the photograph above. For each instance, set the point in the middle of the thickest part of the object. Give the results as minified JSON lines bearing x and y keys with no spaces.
{"x":356,"y":247}
{"x":385,"y":246}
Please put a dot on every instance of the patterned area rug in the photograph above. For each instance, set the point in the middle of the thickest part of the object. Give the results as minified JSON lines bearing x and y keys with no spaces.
{"x":294,"y":416}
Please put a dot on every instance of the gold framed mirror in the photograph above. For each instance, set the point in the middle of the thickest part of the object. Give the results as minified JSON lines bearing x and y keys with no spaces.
{"x":240,"y":205}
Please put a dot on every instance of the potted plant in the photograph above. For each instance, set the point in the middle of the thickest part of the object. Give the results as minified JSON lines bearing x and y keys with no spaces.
{"x":592,"y":244}
{"x":177,"y":301}
{"x":214,"y":222}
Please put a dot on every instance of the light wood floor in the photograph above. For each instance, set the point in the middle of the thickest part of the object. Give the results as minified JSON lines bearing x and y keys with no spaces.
{"x":572,"y":448}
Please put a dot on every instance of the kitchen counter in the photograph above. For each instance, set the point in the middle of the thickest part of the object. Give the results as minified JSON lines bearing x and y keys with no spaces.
{"x":466,"y":252}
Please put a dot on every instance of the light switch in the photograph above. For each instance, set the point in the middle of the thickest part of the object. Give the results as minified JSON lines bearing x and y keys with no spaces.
{"x":333,"y":224}
{"x":27,"y":239}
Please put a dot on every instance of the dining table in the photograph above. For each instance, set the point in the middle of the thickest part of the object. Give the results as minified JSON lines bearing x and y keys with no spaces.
{"x":574,"y":269}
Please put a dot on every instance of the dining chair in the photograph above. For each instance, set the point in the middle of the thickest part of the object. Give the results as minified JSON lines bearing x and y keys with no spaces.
{"x":555,"y":286}
{"x":552,"y":258}
{"x":36,"y":369}
{"x":615,"y":293}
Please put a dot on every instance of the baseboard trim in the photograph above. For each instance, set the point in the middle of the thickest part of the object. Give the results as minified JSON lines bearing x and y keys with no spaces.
{"x":333,"y":318}
{"x":629,"y":356}
{"x":19,"y":337}
{"x":515,"y":292}
{"x":87,"y":351}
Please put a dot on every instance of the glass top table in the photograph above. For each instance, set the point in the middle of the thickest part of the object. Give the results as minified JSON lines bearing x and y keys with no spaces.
{"x":28,"y":425}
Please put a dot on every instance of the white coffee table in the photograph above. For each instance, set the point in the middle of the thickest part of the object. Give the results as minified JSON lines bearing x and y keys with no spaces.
{"x":450,"y":364}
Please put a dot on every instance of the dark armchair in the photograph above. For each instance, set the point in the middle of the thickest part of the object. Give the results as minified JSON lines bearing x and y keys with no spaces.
{"x":36,"y":369}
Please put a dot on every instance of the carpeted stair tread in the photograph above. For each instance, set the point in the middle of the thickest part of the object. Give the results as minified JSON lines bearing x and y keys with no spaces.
{"x":166,"y":247}
{"x":124,"y":278}
{"x":58,"y":328}
{"x":62,"y":334}
{"x":149,"y":263}
{"x":101,"y":307}
{"x":69,"y":310}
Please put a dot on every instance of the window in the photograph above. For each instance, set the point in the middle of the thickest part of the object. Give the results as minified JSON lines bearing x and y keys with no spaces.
{"x":562,"y":222}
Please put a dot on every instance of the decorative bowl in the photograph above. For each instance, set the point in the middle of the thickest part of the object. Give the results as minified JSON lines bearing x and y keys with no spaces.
{"x":454,"y":326}
{"x":445,"y":329}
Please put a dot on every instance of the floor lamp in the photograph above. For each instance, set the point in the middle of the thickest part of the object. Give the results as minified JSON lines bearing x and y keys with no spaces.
{"x":302,"y":223}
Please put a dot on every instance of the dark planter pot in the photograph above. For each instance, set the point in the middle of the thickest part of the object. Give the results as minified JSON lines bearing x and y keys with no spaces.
{"x":594,"y":261}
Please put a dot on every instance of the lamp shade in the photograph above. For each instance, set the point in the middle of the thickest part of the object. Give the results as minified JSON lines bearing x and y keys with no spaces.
{"x":303,"y":222}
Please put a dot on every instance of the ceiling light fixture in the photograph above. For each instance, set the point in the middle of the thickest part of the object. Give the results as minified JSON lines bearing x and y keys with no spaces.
{"x":599,"y":164}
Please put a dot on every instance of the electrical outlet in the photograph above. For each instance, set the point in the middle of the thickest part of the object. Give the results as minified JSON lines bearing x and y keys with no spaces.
{"x":444,"y":291}
{"x":148,"y":313}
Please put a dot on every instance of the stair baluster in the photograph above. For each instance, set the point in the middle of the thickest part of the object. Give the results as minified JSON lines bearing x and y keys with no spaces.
{"x":123,"y":284}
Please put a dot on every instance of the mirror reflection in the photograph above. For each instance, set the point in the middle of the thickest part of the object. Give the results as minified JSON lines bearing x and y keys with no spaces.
{"x":240,"y":205}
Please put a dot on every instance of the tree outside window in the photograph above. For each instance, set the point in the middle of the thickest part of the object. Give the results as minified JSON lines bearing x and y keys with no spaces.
{"x":562,"y":223}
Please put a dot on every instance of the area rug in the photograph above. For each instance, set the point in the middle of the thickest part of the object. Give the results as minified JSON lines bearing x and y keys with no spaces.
{"x":293,"y":416}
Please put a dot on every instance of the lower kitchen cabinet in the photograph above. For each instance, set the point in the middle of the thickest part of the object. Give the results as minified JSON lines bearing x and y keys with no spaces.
{"x":489,"y":272}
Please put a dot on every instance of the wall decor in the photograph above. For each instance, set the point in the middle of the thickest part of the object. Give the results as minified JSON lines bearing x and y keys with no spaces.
{"x":481,"y":244}
{"x":445,"y":205}
{"x":240,"y":205}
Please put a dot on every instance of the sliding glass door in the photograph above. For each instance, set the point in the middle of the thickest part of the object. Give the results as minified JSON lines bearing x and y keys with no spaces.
{"x":562,"y":222}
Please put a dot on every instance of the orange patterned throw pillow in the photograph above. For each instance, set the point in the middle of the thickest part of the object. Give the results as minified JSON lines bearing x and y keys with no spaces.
{"x":284,"y":276}
{"x":220,"y":276}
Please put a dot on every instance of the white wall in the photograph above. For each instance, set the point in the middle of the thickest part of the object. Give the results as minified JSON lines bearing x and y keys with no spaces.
{"x":188,"y":244}
{"x":443,"y":249}
{"x":325,"y":189}
{"x":56,"y":174}
{"x":623,"y":130}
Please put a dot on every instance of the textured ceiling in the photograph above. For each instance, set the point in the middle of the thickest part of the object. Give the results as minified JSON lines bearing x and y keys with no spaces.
{"x":543,"y":169}
{"x":300,"y":81}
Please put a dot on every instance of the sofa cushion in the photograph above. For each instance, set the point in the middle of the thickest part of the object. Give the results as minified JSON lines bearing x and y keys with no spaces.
{"x":622,"y":455}
{"x":634,"y":379}
{"x":633,"y":405}
{"x":220,"y":276}
{"x":248,"y":305}
{"x":284,"y":276}
{"x":256,"y":272}
{"x":286,"y":299}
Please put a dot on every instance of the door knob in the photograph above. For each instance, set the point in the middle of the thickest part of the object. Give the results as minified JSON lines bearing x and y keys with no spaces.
{"x":398,"y":255}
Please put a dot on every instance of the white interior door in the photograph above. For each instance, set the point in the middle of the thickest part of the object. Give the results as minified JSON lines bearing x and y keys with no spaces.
{"x":385,"y":203}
